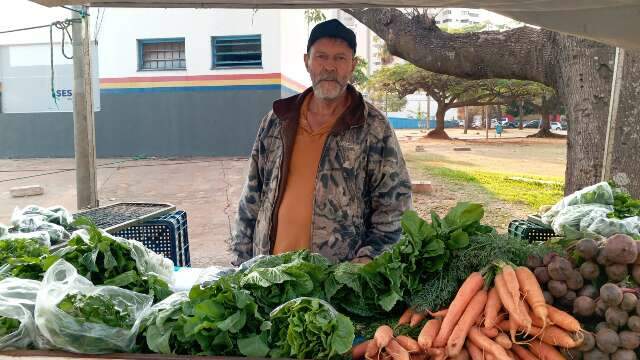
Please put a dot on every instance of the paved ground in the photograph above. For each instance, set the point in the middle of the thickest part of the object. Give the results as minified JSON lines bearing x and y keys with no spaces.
{"x":206,"y":188}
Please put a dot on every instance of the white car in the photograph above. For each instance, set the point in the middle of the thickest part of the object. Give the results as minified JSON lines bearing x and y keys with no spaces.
{"x":556,"y":125}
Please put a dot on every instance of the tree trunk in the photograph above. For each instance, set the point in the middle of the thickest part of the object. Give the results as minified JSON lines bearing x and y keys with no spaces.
{"x":466,"y":120}
{"x":625,"y":168}
{"x":438,"y":132}
{"x":584,"y":85}
{"x":520,"y":114}
{"x":580,"y":70}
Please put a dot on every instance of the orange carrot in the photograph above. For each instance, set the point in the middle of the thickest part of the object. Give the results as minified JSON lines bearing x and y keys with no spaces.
{"x":474,"y":351}
{"x":545,"y":351}
{"x":511,"y":280}
{"x":503,"y":340}
{"x":562,"y":319}
{"x":472,"y":312}
{"x":487,"y":345}
{"x":372,"y":350}
{"x":437,"y":353}
{"x":417,"y":318}
{"x":535,"y":319}
{"x":405,"y":317}
{"x":523,"y":353}
{"x":429,"y":333}
{"x":418,"y":356}
{"x":396,"y":351}
{"x":492,"y":308}
{"x":469,"y":288}
{"x":507,"y":302}
{"x":532,"y":293}
{"x":524,"y":314}
{"x":383,"y":335}
{"x":506,"y":325}
{"x":442,"y":313}
{"x":358,"y":351}
{"x":556,"y":336}
{"x":408,"y":343}
{"x":489,"y":332}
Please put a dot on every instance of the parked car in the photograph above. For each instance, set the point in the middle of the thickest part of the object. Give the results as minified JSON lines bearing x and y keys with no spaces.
{"x":533,"y":124}
{"x":556,"y":125}
{"x":564,"y":124}
{"x":512,"y":124}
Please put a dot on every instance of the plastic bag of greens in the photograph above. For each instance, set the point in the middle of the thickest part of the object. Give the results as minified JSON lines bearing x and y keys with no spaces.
{"x":306,"y":328}
{"x":212,"y":274}
{"x":56,"y":214}
{"x":61,"y":216}
{"x":608,"y":227}
{"x":592,"y":217}
{"x":21,"y":291}
{"x":600,"y":193}
{"x":41,"y":236}
{"x":17,"y":329}
{"x":157,"y":325}
{"x":572,"y":216}
{"x":74,"y":315}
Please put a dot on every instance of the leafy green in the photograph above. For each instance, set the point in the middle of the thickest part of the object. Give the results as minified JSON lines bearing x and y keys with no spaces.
{"x":222,"y":319}
{"x":105,"y":261}
{"x":624,"y":206}
{"x":8,"y":325}
{"x":310,"y":328}
{"x":158,"y":330}
{"x":96,"y":310}
{"x":423,"y":251}
{"x":278,"y":279}
{"x":21,"y":248}
{"x":23,"y":258}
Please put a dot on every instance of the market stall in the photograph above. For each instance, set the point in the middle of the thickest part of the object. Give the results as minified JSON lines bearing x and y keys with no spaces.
{"x":450,"y":288}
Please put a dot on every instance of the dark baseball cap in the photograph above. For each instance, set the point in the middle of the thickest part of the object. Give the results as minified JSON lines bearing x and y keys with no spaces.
{"x":332,"y":29}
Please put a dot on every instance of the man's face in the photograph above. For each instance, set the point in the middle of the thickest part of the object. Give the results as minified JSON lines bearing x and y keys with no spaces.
{"x":330,"y":63}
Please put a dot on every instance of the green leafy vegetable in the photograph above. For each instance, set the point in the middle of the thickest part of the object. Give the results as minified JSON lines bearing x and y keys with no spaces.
{"x":96,"y":310}
{"x":158,"y":329}
{"x":21,"y":248}
{"x":222,"y":319}
{"x":310,"y":328}
{"x":8,"y":325}
{"x":624,"y":206}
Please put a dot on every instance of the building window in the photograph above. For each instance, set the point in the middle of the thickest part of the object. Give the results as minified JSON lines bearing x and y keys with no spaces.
{"x":161,"y":54}
{"x":446,"y":12}
{"x":464,"y":20}
{"x":236,"y":51}
{"x":473,"y":15}
{"x":446,"y":21}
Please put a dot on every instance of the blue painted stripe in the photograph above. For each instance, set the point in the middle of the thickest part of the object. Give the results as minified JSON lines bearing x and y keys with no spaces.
{"x":190,"y":89}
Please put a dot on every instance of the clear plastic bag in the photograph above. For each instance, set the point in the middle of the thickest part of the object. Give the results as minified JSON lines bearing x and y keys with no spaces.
{"x":572,"y":216}
{"x":158,"y":323}
{"x":600,"y":193}
{"x":69,"y":333}
{"x":24,"y":334}
{"x":41,"y":236}
{"x":21,"y":291}
{"x":592,"y":217}
{"x":33,"y":218}
{"x":146,"y":260}
{"x":608,"y":227}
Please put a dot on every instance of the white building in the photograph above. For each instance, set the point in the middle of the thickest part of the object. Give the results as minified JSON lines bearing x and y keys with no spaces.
{"x":169,"y":81}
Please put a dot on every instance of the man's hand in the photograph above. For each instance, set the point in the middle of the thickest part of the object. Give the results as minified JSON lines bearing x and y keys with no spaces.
{"x":361,"y":260}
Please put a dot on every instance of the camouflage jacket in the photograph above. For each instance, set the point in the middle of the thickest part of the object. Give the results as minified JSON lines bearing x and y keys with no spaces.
{"x":362,"y":184}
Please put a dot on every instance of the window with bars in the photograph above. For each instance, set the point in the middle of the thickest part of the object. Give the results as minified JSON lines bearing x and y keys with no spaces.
{"x":236,"y":51}
{"x":161,"y":54}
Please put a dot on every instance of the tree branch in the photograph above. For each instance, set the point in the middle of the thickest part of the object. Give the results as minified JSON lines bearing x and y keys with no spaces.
{"x":523,"y":53}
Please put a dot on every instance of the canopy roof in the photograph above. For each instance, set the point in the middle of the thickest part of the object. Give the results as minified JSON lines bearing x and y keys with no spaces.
{"x":616,"y":22}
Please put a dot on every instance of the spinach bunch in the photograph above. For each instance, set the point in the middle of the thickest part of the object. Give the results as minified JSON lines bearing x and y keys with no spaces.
{"x":8,"y":325}
{"x":24,"y":258}
{"x":96,"y":310}
{"x":310,"y":328}
{"x":222,"y":319}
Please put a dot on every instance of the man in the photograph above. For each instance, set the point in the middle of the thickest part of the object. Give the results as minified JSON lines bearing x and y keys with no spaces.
{"x":326,"y":172}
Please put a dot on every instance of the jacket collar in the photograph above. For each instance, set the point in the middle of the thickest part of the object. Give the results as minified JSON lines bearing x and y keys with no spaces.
{"x":288,"y":109}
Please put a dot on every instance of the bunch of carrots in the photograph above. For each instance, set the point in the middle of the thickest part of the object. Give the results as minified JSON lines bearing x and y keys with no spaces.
{"x":508,"y":321}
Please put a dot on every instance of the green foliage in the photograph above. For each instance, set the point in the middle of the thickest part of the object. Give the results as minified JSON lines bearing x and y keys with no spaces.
{"x":310,"y":328}
{"x":314,"y":16}
{"x":222,"y":319}
{"x":106,"y":261}
{"x":8,"y":325}
{"x":96,"y":310}
{"x":23,"y":258}
{"x":360,"y":78}
{"x":19,"y":248}
{"x":158,"y":329}
{"x":624,"y":205}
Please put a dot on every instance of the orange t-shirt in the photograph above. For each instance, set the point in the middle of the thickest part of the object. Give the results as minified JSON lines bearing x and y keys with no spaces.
{"x":296,"y":209}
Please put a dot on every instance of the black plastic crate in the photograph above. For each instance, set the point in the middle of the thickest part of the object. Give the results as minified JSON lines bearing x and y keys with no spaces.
{"x":166,"y":235}
{"x":526,"y":230}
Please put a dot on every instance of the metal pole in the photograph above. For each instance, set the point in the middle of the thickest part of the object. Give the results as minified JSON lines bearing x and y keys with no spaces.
{"x":485,"y":114}
{"x":428,"y":112}
{"x":613,"y":115}
{"x":83,"y":116}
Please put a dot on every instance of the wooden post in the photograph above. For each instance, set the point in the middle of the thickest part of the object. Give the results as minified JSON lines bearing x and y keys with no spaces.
{"x":613,"y":115}
{"x":428,"y":112}
{"x":485,"y":115}
{"x":83,"y":116}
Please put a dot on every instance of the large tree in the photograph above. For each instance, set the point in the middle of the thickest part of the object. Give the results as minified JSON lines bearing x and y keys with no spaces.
{"x":580,"y":70}
{"x":451,"y":92}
